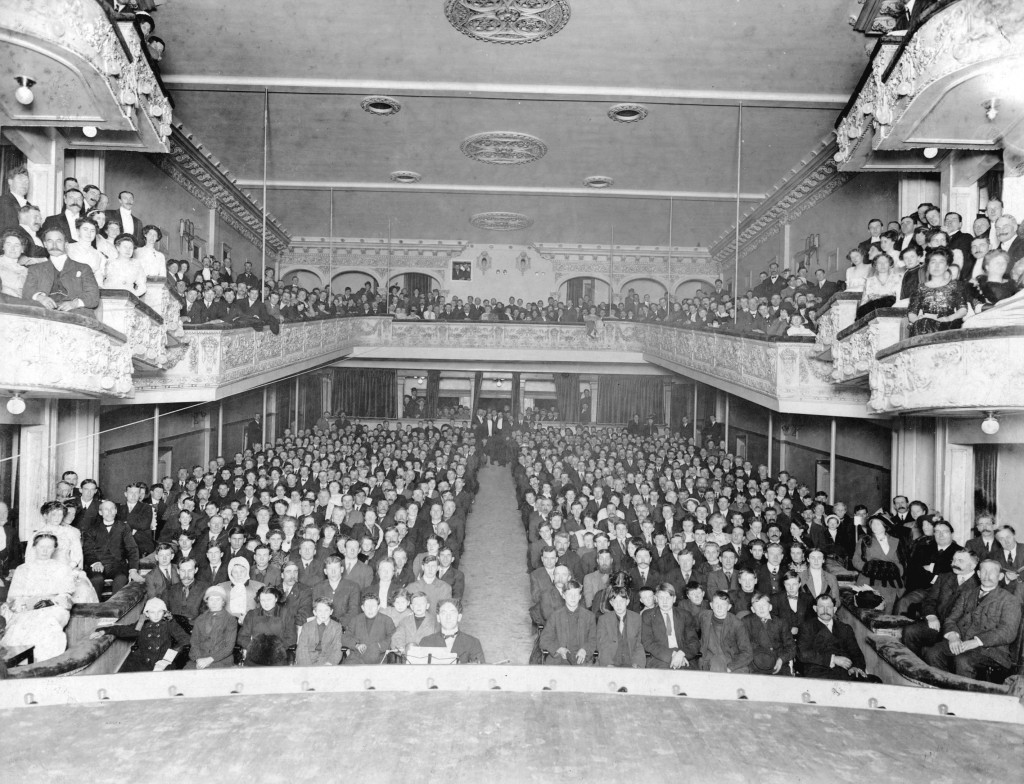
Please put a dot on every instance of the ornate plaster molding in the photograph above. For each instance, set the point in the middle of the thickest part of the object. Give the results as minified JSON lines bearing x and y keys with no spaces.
{"x":201,"y":175}
{"x":960,"y":35}
{"x":501,"y":221}
{"x":326,"y":258}
{"x":503,"y":148}
{"x":801,"y":189}
{"x":508,"y":21}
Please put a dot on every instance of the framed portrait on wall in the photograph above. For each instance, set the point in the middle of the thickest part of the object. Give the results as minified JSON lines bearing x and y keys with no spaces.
{"x":462,"y":270}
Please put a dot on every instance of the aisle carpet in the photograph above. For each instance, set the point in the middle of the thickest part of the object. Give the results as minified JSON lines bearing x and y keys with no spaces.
{"x":497,"y":601}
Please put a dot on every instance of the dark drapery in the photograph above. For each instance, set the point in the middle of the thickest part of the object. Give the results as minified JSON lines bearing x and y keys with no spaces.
{"x":311,"y":404}
{"x":567,"y":391}
{"x":517,"y":380}
{"x":418,"y":281}
{"x":478,"y":383}
{"x":619,"y":397}
{"x":364,"y":392}
{"x":433,"y":392}
{"x":986,"y":464}
{"x":682,"y":406}
{"x":574,"y":291}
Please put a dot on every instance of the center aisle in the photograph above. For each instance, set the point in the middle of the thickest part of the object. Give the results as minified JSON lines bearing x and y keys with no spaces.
{"x":497,"y":599}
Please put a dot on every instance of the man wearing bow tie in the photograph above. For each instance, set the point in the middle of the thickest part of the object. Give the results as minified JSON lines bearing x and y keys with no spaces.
{"x":466,"y":647}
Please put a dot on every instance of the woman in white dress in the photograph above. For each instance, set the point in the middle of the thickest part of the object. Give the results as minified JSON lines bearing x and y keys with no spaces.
{"x":45,"y":581}
{"x":858,"y":271}
{"x":125,"y":272}
{"x":85,"y":250}
{"x":103,"y":244}
{"x":152,"y":260}
{"x":12,"y":273}
{"x":57,"y":519}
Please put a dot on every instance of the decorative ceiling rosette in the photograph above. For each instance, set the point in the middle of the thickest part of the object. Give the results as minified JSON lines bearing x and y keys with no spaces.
{"x":507,"y":21}
{"x":504,"y":148}
{"x":501,"y":221}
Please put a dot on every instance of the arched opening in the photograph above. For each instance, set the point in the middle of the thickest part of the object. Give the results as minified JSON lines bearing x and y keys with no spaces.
{"x":411,"y":282}
{"x":302,"y":278}
{"x":353,"y":280}
{"x":647,"y":289}
{"x":689,"y":288}
{"x":586,"y":288}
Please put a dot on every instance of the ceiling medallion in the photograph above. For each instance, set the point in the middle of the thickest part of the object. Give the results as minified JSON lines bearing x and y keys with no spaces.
{"x":405,"y":177}
{"x":380,"y":105}
{"x":598,"y":181}
{"x":507,"y":21}
{"x":503,"y":148}
{"x":501,"y":221}
{"x":627,"y":112}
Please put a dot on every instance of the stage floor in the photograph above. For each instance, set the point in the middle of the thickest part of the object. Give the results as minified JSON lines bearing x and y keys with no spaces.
{"x":495,"y":737}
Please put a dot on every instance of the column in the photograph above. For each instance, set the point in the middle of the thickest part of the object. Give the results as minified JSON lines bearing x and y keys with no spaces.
{"x":156,"y":444}
{"x":44,"y":149}
{"x":212,"y":249}
{"x":88,"y":166}
{"x":270,"y":420}
{"x":1013,"y":184}
{"x":399,"y":396}
{"x":77,"y":445}
{"x":915,"y":189}
{"x":915,"y":458}
{"x":37,"y":470}
{"x":666,"y":397}
{"x":959,"y":182}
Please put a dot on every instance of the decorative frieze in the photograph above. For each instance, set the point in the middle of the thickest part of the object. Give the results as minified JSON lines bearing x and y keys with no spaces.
{"x":800,"y":190}
{"x":201,"y":175}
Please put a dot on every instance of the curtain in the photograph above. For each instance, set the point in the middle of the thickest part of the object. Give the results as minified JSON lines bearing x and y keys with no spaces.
{"x":682,"y":406}
{"x":574,"y":291}
{"x":433,"y":392}
{"x":986,"y":464}
{"x":365,"y":392}
{"x":478,"y":383}
{"x":311,"y":404}
{"x":619,"y":397}
{"x":516,"y":387}
{"x":417,"y":280}
{"x":567,"y":391}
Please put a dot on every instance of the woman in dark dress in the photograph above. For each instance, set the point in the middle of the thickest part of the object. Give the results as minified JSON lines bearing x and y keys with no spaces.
{"x":994,"y":285}
{"x":941,"y":303}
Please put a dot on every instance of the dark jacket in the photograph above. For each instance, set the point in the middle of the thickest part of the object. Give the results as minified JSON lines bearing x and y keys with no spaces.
{"x":117,"y":550}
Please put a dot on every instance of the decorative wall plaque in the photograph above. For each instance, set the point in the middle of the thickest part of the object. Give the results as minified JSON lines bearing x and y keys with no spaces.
{"x":507,"y":21}
{"x":501,"y":221}
{"x":504,"y":148}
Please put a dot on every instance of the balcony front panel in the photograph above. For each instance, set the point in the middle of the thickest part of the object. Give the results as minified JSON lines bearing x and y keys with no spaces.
{"x":62,"y":354}
{"x":960,"y":370}
{"x":854,"y":350}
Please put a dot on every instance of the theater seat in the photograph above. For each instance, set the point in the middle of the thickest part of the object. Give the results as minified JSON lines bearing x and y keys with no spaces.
{"x":911,"y":667}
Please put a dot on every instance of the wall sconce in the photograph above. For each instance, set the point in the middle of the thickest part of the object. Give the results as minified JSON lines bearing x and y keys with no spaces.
{"x":198,"y":417}
{"x":989,"y":426}
{"x":991,"y":109}
{"x":89,"y":131}
{"x":23,"y":94}
{"x":16,"y":405}
{"x":930,"y":152}
{"x":499,"y":382}
{"x":523,"y":263}
{"x":484,"y":262}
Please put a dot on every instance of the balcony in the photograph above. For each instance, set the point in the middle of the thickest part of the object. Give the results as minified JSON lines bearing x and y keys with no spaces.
{"x":935,"y":86}
{"x":855,"y":347}
{"x":62,"y":354}
{"x":88,"y":69}
{"x":950,"y":372}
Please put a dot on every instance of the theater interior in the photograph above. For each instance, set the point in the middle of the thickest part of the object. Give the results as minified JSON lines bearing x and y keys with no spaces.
{"x":632,"y":156}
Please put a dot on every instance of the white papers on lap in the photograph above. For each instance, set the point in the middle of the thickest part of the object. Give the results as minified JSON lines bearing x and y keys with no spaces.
{"x":419,"y":655}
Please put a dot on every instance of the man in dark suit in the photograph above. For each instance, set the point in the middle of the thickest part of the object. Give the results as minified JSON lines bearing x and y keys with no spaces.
{"x":984,"y":545}
{"x":311,"y":567}
{"x":139,"y":517}
{"x":252,"y":283}
{"x":938,"y":601}
{"x":980,"y":629}
{"x":184,"y":599}
{"x":569,"y":636}
{"x":823,"y":288}
{"x":110,"y":551}
{"x":770,"y":575}
{"x":466,"y":647}
{"x":792,"y":605}
{"x":30,"y":220}
{"x":343,"y":593}
{"x":87,"y":506}
{"x":129,"y":222}
{"x":208,"y":309}
{"x":296,"y":597}
{"x":642,"y":576}
{"x":451,"y":575}
{"x":66,"y":220}
{"x":62,"y":284}
{"x":669,"y":634}
{"x":1009,"y":556}
{"x":618,"y":634}
{"x":827,"y":648}
{"x":15,"y":198}
{"x":163,"y":575}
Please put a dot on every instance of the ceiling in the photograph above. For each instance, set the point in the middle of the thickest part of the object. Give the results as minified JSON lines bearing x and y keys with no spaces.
{"x":792,"y":64}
